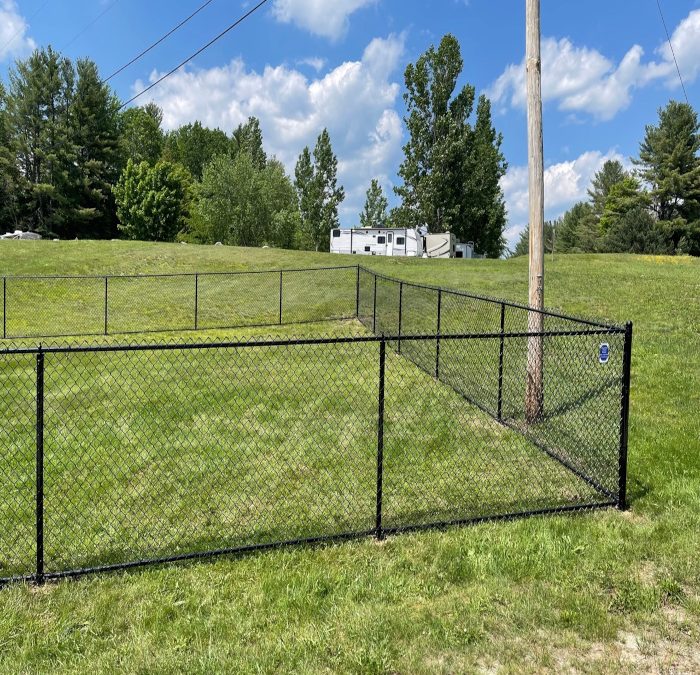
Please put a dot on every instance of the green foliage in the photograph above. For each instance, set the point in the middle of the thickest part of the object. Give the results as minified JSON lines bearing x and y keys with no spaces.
{"x":194,"y":145}
{"x":578,"y":230}
{"x":141,"y":136}
{"x":318,"y":193}
{"x":9,"y":174}
{"x":622,"y":198}
{"x":95,"y":134}
{"x":635,"y":231}
{"x":242,"y":205}
{"x":610,"y":174}
{"x":39,"y":109}
{"x":152,"y":201}
{"x":375,"y":213}
{"x":551,"y":236}
{"x":247,"y":138}
{"x":451,"y":171}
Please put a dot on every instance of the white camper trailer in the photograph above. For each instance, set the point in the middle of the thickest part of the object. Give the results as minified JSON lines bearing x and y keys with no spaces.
{"x":440,"y":245}
{"x":391,"y":241}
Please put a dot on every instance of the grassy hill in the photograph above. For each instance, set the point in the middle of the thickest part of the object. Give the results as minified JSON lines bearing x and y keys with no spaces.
{"x":600,"y":593}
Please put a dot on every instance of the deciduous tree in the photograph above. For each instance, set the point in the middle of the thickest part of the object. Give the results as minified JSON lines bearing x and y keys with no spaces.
{"x":374,"y":213}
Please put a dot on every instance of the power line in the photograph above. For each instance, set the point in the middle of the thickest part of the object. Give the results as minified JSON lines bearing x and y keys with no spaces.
{"x":89,"y":25}
{"x":157,"y":42}
{"x":24,"y":25}
{"x":673,"y":53}
{"x":198,"y":52}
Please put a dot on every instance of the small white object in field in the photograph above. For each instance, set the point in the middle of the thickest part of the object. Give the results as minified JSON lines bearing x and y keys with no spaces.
{"x":184,"y":242}
{"x":18,"y":234}
{"x":218,"y":243}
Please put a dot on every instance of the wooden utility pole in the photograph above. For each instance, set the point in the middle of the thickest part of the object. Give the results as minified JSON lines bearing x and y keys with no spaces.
{"x":534,"y":399}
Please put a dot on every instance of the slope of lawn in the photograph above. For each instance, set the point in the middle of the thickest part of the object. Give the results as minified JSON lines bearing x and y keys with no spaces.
{"x":601,"y":592}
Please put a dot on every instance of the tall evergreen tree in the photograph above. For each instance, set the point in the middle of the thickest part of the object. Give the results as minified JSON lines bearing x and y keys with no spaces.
{"x":9,"y":175}
{"x":578,"y":230}
{"x":95,"y":118}
{"x":327,"y":190}
{"x":611,"y":173}
{"x":41,"y":93}
{"x":451,"y":171}
{"x":669,"y":163}
{"x":375,"y":213}
{"x":308,"y":200}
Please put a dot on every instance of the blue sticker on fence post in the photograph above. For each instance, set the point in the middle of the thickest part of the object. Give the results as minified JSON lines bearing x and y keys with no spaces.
{"x":604,"y":353}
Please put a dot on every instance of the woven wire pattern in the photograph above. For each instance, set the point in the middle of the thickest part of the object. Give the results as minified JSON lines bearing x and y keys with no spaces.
{"x":190,"y":446}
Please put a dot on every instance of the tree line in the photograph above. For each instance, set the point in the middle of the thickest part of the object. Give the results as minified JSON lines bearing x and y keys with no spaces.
{"x":74,"y":164}
{"x":653,"y":208}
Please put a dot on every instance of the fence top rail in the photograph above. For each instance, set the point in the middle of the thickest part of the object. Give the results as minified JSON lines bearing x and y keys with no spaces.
{"x":492,"y":300}
{"x":102,"y":277}
{"x":291,"y":342}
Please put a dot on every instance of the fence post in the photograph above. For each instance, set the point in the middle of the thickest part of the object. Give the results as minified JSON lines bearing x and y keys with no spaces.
{"x":374,"y":307}
{"x":196,"y":301}
{"x":39,"y":466}
{"x":624,"y":419}
{"x":437,"y":341}
{"x":379,"y":532}
{"x":106,"y":291}
{"x":357,"y":295}
{"x":500,"y":362}
{"x":280,"y":297}
{"x":400,"y":313}
{"x":4,"y":307}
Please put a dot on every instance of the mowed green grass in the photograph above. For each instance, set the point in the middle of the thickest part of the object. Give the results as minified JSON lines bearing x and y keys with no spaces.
{"x":603,"y":592}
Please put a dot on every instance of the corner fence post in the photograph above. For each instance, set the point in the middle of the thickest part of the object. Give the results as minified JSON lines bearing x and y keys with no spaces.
{"x":196,"y":301}
{"x":280,"y":297}
{"x":400,"y":313}
{"x":380,"y":440}
{"x":39,"y":467}
{"x":500,"y":362}
{"x":357,"y":294}
{"x":4,"y":307}
{"x":437,"y":332}
{"x":106,"y":296}
{"x":624,"y":419}
{"x":374,"y":307}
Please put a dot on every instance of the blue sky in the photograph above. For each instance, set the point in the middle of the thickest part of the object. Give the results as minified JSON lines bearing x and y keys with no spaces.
{"x":300,"y":65}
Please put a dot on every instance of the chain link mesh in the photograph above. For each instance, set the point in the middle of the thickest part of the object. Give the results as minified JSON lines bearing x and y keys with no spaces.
{"x":193,"y":446}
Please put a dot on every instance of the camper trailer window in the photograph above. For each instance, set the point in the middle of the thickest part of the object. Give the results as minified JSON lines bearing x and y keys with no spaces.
{"x":390,"y":237}
{"x":336,"y":234}
{"x":381,"y":239}
{"x":367,"y":249}
{"x":400,"y":241}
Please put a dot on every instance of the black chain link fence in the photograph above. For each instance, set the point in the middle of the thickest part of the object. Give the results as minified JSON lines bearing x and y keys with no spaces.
{"x":117,"y":455}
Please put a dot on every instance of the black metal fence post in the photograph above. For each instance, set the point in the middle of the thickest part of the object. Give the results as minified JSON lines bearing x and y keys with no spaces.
{"x":4,"y":307}
{"x":500,"y":362}
{"x":106,"y":300}
{"x":624,"y":419}
{"x":40,"y":466}
{"x":379,"y":532}
{"x":437,"y":333}
{"x":196,"y":301}
{"x":374,"y":307}
{"x":400,"y":314}
{"x":280,"y":297}
{"x":357,"y":294}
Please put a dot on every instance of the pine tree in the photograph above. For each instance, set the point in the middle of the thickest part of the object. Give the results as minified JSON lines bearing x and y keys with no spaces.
{"x":577,"y":224}
{"x":375,"y":213}
{"x":9,"y":175}
{"x":41,"y":93}
{"x":94,"y":118}
{"x":670,"y":164}
{"x":307,"y":197}
{"x":611,"y":173}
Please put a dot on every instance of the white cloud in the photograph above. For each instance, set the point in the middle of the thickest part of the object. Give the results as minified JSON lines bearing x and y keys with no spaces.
{"x":580,"y":79}
{"x":355,"y":101}
{"x":315,"y":62}
{"x":328,"y":18}
{"x":14,"y":40}
{"x":565,"y":183}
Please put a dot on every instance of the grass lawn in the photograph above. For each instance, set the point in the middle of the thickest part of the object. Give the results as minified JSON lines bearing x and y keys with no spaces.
{"x":602,"y":592}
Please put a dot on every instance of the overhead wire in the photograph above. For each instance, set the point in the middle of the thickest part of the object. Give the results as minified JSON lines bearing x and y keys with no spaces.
{"x":229,"y":28}
{"x":673,"y":53}
{"x":159,"y":41}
